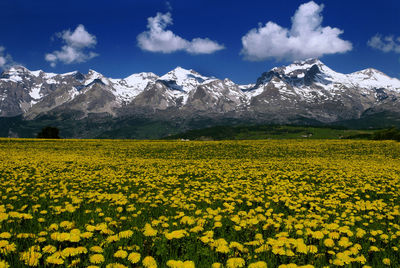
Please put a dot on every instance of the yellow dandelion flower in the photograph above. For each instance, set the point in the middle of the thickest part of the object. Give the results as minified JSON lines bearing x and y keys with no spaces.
{"x":4,"y":264}
{"x":149,"y":262}
{"x":196,"y":229}
{"x":96,"y":258}
{"x":312,"y":249}
{"x":301,"y":248}
{"x":318,"y":235}
{"x":149,"y":231}
{"x":259,"y":264}
{"x":177,"y":234}
{"x":74,"y":263}
{"x":116,"y":265}
{"x":67,"y":225}
{"x":217,"y":224}
{"x":53,"y":227}
{"x":121,"y":254}
{"x":96,"y":249}
{"x":54,"y":260}
{"x":329,"y":242}
{"x":374,"y":249}
{"x":174,"y":264}
{"x":134,"y":257}
{"x":86,"y":235}
{"x":125,"y":234}
{"x":188,"y":264}
{"x":334,"y":235}
{"x":5,"y":235}
{"x":235,"y":263}
{"x":236,"y":245}
{"x":112,"y":238}
{"x":222,"y":249}
{"x":31,"y":257}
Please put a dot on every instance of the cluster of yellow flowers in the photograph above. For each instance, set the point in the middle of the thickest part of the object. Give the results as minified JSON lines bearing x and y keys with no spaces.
{"x":256,"y":204}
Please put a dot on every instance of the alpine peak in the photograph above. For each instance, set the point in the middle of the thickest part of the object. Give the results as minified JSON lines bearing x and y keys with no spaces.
{"x":307,"y":89}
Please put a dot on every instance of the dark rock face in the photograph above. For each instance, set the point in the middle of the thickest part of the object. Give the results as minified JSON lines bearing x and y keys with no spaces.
{"x":310,"y":75}
{"x":381,"y":94}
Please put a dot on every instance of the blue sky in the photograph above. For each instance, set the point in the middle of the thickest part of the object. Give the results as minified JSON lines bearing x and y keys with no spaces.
{"x":235,"y":39}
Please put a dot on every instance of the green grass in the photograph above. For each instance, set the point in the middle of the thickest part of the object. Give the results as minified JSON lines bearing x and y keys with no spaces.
{"x":257,"y":132}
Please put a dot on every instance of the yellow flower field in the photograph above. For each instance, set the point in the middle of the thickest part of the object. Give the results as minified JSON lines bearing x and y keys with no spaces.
{"x":286,"y":203}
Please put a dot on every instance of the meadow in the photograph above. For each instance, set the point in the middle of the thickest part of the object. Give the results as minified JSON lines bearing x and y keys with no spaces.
{"x":264,"y":203}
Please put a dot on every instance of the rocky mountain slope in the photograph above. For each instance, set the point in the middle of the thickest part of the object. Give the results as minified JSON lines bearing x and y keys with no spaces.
{"x":306,"y":89}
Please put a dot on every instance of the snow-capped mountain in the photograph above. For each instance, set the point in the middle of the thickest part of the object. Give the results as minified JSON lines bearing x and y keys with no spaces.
{"x":306,"y":89}
{"x":311,"y":89}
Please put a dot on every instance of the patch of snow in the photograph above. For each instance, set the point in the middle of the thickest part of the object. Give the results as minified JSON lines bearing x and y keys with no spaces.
{"x":36,"y":73}
{"x":35,"y":92}
{"x":73,"y":93}
{"x":246,"y":87}
{"x":70,"y":73}
{"x":51,"y":81}
{"x":176,"y":94}
{"x":49,"y":75}
{"x":254,"y":92}
{"x":15,"y":78}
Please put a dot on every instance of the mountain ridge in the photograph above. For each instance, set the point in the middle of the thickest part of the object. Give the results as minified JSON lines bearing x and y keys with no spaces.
{"x":302,"y":90}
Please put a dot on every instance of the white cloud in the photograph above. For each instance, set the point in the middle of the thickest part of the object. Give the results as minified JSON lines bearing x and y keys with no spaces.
{"x":80,"y":38}
{"x":158,"y":39}
{"x":385,"y":44}
{"x":2,"y":61}
{"x":168,"y":6}
{"x":76,"y":48}
{"x":203,"y":46}
{"x":2,"y":57}
{"x":306,"y":38}
{"x":5,"y":59}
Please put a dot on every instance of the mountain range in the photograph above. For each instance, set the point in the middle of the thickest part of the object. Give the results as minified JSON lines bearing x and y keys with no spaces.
{"x":92,"y":105}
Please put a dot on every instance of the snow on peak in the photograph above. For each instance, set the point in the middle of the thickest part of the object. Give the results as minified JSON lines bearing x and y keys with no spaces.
{"x":70,"y":73}
{"x":310,"y":61}
{"x":140,"y":78}
{"x":18,"y":69}
{"x":303,"y":66}
{"x":15,"y":74}
{"x":229,"y":82}
{"x":125,"y":90}
{"x":180,"y":69}
{"x":183,"y":79}
{"x":36,"y":73}
{"x":93,"y":75}
{"x":179,"y":74}
{"x":372,"y":78}
{"x":332,"y":81}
